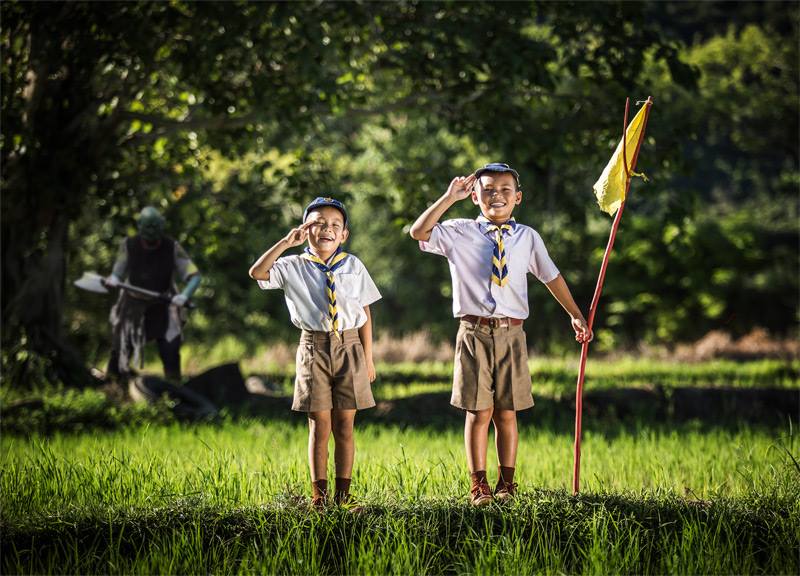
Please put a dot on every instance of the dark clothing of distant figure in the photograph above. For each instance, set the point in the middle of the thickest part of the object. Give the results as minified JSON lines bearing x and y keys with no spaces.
{"x":138,"y":319}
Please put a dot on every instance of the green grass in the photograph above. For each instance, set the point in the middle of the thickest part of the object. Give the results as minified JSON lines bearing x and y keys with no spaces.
{"x":58,"y":409}
{"x":551,"y":376}
{"x":231,"y":497}
{"x":248,"y":463}
{"x":91,"y":486}
{"x":542,"y":532}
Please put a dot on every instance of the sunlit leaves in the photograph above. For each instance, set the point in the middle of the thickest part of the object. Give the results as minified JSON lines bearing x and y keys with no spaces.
{"x":231,"y":116}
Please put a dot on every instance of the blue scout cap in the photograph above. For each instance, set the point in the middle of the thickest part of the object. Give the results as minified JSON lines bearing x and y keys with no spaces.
{"x":320,"y":201}
{"x":497,"y":167}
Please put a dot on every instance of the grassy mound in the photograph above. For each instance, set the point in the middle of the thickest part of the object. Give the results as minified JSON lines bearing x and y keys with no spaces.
{"x":542,"y":531}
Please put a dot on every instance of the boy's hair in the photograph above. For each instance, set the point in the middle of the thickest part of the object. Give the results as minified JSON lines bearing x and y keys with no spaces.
{"x":498,"y":168}
{"x":321,"y":202}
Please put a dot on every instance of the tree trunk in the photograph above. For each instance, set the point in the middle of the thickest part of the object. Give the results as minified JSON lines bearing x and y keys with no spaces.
{"x":34,"y":310}
{"x":46,"y":182}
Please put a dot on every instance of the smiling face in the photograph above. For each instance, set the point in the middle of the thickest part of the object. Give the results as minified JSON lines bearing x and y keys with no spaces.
{"x":496,"y":195}
{"x":327,"y":232}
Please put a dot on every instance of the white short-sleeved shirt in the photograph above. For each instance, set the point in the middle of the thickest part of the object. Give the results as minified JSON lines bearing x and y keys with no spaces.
{"x":303,"y":286}
{"x":468,"y":248}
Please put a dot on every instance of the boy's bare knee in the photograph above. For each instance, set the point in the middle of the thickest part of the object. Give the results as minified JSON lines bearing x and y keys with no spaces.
{"x":479,"y":417}
{"x":342,"y":432}
{"x":319,"y":423}
{"x":504,"y":417}
{"x":342,"y":424}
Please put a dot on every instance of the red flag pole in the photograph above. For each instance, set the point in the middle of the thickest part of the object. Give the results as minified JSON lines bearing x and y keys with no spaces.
{"x":576,"y":470}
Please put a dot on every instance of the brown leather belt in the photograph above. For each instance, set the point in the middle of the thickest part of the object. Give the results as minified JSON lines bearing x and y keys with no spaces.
{"x":492,"y":322}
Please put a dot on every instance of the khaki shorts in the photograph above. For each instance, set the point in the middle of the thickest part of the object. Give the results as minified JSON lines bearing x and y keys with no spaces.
{"x":331,"y":373}
{"x":491,"y":368}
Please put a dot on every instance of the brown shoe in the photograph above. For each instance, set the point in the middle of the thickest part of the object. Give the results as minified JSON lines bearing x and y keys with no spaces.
{"x":318,"y":503}
{"x":319,"y":495}
{"x":505,"y":491}
{"x":481,"y":494}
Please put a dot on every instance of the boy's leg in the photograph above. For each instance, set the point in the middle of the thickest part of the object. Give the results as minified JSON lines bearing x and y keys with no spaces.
{"x":319,"y":432}
{"x":476,"y":440}
{"x":512,"y":393}
{"x":344,"y":451}
{"x":506,"y":439}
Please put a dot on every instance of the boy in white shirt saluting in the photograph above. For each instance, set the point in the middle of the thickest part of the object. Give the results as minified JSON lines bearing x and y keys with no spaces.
{"x":489,"y":259}
{"x":328,"y":293}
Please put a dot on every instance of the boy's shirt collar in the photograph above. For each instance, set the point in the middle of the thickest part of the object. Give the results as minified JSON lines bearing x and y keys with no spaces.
{"x":484,"y":223}
{"x":331,"y":264}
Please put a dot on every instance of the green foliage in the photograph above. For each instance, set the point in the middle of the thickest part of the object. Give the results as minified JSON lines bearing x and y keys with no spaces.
{"x":230,"y":117}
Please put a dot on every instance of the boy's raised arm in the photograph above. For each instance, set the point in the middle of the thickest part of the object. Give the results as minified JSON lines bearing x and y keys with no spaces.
{"x":460,"y":188}
{"x":295,"y":237}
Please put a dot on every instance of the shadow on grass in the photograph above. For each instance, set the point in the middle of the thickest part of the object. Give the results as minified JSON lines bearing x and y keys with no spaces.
{"x":607,"y":412}
{"x":542,"y":529}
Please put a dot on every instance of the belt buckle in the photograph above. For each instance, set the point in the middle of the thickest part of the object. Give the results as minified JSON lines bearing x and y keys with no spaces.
{"x":500,"y":322}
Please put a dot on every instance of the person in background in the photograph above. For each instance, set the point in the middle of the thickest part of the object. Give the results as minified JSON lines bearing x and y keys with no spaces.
{"x":153,"y":261}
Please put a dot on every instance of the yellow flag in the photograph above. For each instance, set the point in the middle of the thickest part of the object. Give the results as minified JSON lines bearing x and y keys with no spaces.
{"x":610,"y":188}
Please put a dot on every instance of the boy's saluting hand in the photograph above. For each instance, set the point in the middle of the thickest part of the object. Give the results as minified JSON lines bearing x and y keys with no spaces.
{"x":299,"y":235}
{"x":295,"y":237}
{"x":461,"y":187}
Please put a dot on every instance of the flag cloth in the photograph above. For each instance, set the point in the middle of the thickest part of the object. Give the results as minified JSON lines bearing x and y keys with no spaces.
{"x":611,"y":187}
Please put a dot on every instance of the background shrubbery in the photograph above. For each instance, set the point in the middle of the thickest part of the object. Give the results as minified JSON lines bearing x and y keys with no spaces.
{"x":232,"y":130}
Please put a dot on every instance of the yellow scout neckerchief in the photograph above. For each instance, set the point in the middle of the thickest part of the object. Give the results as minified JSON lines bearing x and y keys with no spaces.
{"x":499,"y":263}
{"x":328,"y":268}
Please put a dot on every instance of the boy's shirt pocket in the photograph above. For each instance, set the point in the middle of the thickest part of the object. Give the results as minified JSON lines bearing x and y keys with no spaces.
{"x":348,"y":285}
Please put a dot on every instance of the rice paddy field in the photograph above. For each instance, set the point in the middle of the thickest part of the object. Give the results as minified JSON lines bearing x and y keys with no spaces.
{"x":686,"y":469}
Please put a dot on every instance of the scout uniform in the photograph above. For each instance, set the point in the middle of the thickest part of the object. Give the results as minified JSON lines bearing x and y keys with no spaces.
{"x":331,"y":363}
{"x":488,"y":265}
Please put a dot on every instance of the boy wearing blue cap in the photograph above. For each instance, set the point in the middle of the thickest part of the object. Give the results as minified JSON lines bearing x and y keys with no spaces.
{"x":489,"y":259}
{"x":328,"y":293}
